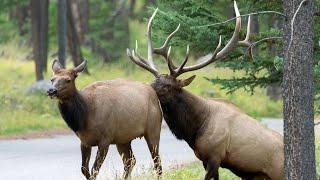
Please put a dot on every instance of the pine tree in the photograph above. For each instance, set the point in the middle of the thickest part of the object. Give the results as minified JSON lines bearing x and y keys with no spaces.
{"x":264,"y":69}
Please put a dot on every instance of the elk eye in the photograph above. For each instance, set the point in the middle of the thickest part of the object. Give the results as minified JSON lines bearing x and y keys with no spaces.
{"x":68,"y":80}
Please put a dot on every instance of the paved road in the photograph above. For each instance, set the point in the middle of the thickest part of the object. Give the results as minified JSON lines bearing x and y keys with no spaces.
{"x":59,"y":157}
{"x":277,"y":125}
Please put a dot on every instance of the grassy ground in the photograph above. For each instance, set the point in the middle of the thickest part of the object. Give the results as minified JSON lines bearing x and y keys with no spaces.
{"x":193,"y":171}
{"x":21,"y":112}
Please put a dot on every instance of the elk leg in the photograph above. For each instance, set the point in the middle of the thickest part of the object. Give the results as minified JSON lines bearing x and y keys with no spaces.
{"x":128,"y":158}
{"x":101,"y":155}
{"x":153,"y":145}
{"x":204,"y":163}
{"x":212,"y":171}
{"x":85,"y":153}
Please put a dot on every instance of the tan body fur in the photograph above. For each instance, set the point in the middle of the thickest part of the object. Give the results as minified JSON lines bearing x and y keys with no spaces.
{"x":108,"y":112}
{"x":220,"y":134}
{"x":240,"y":143}
{"x":120,"y":110}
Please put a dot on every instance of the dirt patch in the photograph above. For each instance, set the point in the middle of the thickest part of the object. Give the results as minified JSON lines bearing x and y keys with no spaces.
{"x":38,"y":134}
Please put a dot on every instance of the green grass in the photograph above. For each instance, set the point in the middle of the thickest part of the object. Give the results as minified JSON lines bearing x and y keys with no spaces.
{"x":194,"y":171}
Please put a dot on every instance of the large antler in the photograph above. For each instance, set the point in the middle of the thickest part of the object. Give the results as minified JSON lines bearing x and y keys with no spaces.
{"x":139,"y":60}
{"x":215,"y":55}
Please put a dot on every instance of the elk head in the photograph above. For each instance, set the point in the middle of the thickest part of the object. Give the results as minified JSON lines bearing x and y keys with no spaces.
{"x":63,"y":80}
{"x":167,"y":85}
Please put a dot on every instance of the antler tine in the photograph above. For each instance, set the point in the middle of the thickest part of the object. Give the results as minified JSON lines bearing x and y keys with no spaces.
{"x":177,"y":72}
{"x":169,"y":62}
{"x":214,"y":56}
{"x":139,"y":57}
{"x":141,"y":62}
{"x":164,"y":48}
{"x":246,"y":41}
{"x":235,"y":37}
{"x":204,"y":61}
{"x":150,"y":48}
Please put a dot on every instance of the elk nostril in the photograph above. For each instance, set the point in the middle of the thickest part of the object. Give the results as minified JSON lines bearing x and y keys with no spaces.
{"x":52,"y":91}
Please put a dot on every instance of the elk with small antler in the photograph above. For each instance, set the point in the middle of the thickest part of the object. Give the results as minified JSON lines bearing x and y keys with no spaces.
{"x":108,"y":112}
{"x":219,"y":133}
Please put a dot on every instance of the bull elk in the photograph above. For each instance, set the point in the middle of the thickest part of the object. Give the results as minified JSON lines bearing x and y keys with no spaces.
{"x":108,"y":112}
{"x":219,"y":133}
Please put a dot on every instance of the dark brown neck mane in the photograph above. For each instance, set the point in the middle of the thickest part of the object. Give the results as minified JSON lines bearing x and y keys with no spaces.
{"x":74,"y":111}
{"x":185,"y":115}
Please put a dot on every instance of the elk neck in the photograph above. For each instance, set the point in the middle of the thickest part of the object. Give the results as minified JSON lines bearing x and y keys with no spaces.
{"x":185,"y":115}
{"x":74,"y":111}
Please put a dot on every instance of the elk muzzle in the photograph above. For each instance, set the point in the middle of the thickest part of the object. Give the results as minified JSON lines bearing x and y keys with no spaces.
{"x":52,"y":92}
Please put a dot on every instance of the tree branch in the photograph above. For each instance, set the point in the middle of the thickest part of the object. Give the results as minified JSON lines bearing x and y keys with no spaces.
{"x":262,"y":40}
{"x":118,"y":11}
{"x":250,"y":48}
{"x":243,"y":15}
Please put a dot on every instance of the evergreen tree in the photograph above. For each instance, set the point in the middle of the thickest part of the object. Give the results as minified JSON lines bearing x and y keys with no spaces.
{"x":264,"y":69}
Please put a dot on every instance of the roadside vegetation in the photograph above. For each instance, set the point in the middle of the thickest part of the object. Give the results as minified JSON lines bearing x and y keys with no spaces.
{"x":21,"y":111}
{"x":191,"y":171}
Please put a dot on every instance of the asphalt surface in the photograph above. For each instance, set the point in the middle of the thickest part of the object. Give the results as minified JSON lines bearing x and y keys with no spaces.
{"x":277,"y":125}
{"x":59,"y":157}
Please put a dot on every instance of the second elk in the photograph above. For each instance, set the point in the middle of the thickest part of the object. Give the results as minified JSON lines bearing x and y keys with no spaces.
{"x":220,"y":134}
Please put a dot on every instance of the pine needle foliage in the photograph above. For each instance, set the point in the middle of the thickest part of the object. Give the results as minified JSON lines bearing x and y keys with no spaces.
{"x":264,"y":69}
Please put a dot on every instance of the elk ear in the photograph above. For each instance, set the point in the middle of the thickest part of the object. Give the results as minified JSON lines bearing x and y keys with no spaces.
{"x":56,"y":66}
{"x":80,"y":68}
{"x":186,"y":82}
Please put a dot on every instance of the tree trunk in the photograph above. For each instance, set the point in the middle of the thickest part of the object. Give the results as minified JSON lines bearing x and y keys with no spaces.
{"x":255,"y":28}
{"x":83,"y":7}
{"x":274,"y":90}
{"x":131,"y":7}
{"x":73,"y":39}
{"x":44,"y":31}
{"x":62,"y":31}
{"x":298,"y":89}
{"x":74,"y":4}
{"x":39,"y":28}
{"x":121,"y":23}
{"x":109,"y":32}
{"x":20,"y":14}
{"x":148,"y":3}
{"x":108,"y":54}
